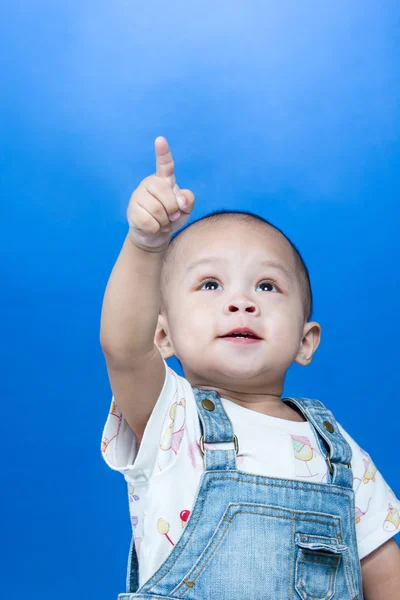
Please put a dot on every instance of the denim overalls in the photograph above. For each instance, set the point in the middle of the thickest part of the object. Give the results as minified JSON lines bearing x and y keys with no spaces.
{"x":251,"y":537}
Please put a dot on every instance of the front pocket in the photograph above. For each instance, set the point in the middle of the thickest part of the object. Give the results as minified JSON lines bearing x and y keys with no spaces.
{"x":248,"y":551}
{"x":318,"y":560}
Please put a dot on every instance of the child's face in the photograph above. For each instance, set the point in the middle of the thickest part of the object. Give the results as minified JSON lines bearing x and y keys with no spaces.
{"x":243,"y":293}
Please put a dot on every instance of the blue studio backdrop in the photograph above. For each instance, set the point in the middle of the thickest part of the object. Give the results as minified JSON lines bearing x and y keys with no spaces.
{"x":288,"y":109}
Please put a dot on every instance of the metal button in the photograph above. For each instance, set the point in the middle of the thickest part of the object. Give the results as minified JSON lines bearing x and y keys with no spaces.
{"x":208,"y":404}
{"x":329,"y":427}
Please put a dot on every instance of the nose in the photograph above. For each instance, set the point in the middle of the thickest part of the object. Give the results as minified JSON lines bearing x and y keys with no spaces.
{"x":242,"y":305}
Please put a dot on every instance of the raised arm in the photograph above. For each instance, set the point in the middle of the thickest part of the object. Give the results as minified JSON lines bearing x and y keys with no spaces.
{"x":132,"y":296}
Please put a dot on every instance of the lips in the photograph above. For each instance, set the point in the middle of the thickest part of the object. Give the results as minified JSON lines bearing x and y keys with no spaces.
{"x":243,"y":330}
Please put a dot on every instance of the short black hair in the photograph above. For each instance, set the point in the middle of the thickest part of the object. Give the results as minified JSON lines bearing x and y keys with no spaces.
{"x":247,"y":216}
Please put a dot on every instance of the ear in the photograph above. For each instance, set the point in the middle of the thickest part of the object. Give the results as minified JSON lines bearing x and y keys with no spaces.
{"x":309,"y":343}
{"x":161,"y":338}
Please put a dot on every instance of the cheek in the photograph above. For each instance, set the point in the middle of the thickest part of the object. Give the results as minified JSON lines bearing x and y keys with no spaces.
{"x":192,"y":328}
{"x":283,"y":325}
{"x":287,"y":308}
{"x":187,"y":323}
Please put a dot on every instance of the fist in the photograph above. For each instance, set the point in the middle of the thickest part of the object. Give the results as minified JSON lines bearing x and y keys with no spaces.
{"x":158,"y":208}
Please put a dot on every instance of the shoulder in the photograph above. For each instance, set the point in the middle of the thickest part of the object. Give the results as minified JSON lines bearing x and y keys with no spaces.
{"x":172,"y":421}
{"x":377,"y":510}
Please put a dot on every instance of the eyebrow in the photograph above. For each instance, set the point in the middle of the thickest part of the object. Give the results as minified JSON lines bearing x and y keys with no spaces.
{"x":214,"y":259}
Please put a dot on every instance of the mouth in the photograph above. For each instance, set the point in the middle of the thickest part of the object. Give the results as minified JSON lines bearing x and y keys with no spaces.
{"x":240,"y":340}
{"x":242,"y":335}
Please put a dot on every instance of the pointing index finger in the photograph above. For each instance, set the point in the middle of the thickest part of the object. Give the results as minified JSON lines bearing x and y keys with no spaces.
{"x":164,"y":161}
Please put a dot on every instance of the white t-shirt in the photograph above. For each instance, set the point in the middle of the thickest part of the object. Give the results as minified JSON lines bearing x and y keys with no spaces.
{"x":164,"y":474}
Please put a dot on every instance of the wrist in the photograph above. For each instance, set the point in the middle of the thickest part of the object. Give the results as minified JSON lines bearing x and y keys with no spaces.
{"x":153,"y":250}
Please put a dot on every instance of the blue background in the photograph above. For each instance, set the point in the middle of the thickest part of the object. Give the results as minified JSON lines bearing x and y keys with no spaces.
{"x":288,"y":109}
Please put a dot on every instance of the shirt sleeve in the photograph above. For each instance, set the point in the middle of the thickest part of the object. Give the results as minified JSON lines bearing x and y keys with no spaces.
{"x":119,"y":445}
{"x":377,"y":509}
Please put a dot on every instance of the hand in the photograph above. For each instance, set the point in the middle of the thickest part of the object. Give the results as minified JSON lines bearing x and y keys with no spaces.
{"x":158,"y":208}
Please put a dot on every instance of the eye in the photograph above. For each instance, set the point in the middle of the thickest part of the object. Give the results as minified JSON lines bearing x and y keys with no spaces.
{"x":214,"y":281}
{"x":266,"y":282}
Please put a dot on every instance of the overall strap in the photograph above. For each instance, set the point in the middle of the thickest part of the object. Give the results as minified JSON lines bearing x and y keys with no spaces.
{"x":216,"y":429}
{"x":332,"y":444}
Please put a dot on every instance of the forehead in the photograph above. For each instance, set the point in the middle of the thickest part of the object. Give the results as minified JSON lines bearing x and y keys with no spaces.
{"x":228,"y":242}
